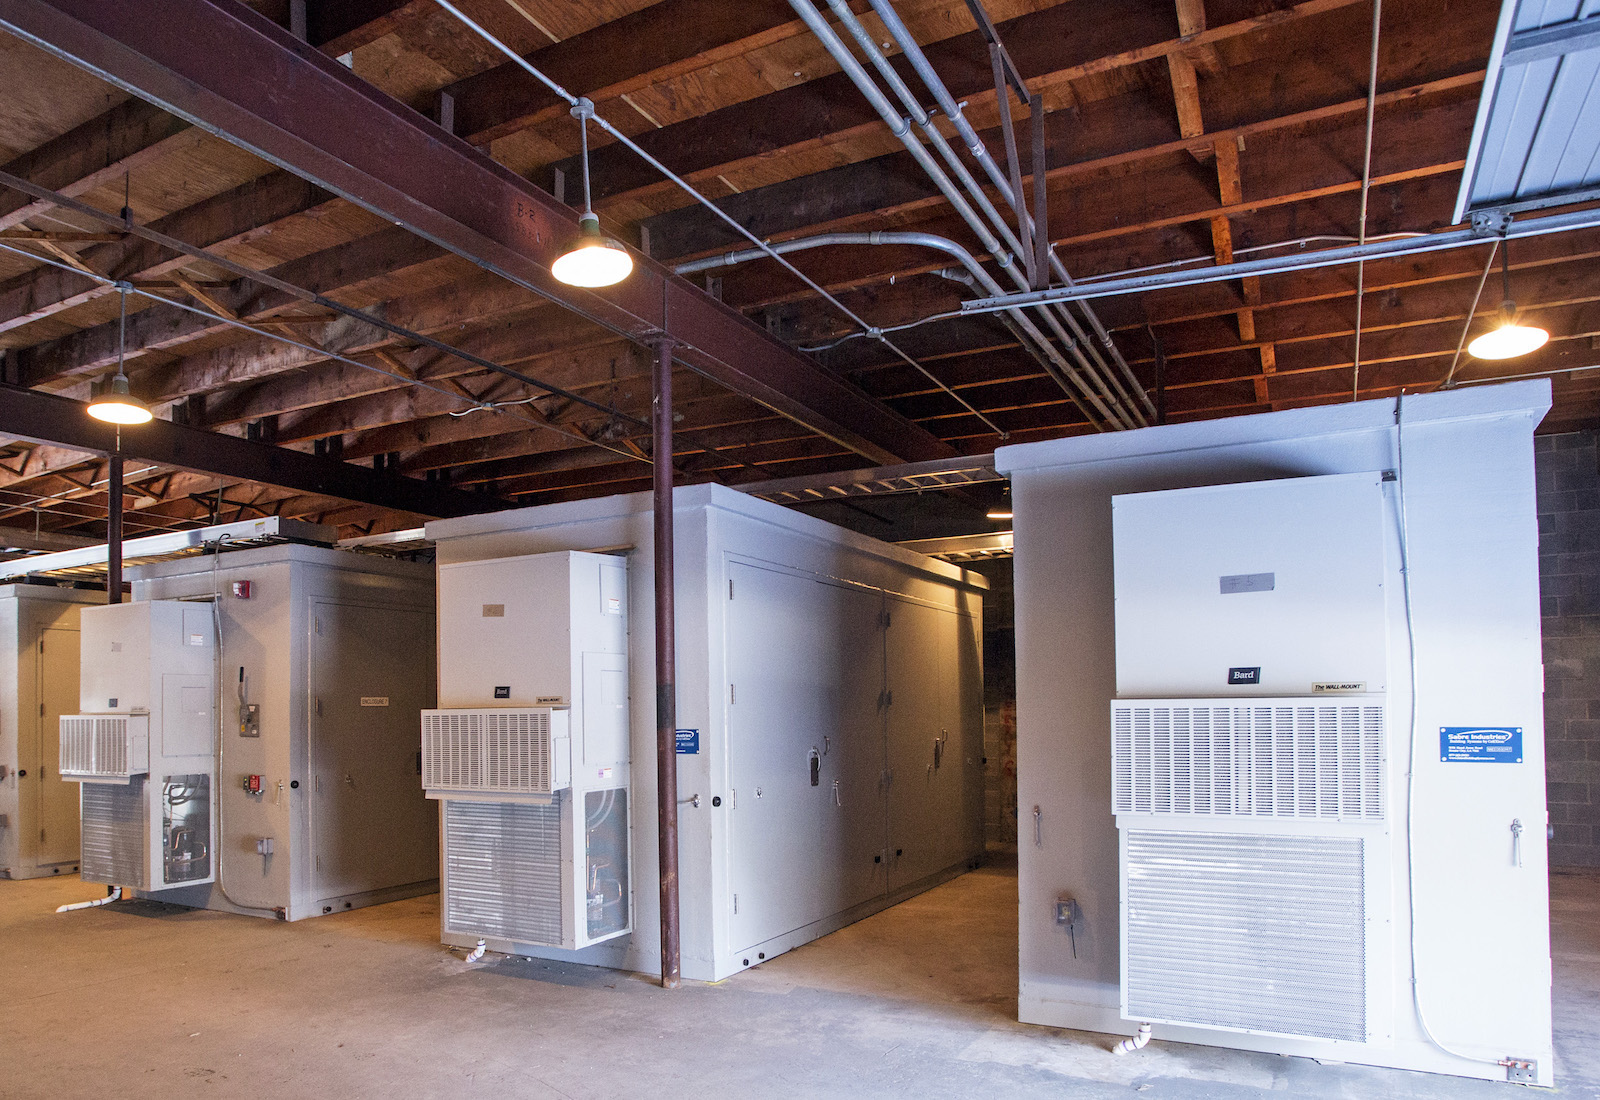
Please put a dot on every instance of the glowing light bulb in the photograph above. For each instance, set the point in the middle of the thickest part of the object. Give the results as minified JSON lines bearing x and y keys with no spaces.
{"x":118,"y":406}
{"x":1508,"y":341}
{"x":594,"y":260}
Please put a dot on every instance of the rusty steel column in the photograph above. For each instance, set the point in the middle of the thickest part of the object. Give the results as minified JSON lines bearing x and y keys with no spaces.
{"x":114,"y":532}
{"x":666,"y":664}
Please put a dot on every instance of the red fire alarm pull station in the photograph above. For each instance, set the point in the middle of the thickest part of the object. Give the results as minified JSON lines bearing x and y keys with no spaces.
{"x":252,"y":784}
{"x":241,"y":590}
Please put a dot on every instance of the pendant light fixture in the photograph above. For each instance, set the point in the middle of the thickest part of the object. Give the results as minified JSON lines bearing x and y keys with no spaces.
{"x":117,"y":405}
{"x":593,"y":260}
{"x":1509,"y":339}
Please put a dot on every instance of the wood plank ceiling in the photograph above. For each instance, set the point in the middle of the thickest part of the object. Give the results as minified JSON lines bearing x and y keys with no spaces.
{"x":1194,"y":130}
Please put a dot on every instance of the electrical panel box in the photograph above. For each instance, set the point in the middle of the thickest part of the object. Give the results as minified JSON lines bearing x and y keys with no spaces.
{"x":144,"y":748}
{"x":1271,"y":588}
{"x":529,"y":752}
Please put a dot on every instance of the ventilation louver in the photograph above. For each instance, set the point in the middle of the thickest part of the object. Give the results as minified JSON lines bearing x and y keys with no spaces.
{"x":1282,"y":758}
{"x":1249,"y":932}
{"x":104,"y":747}
{"x":502,"y":870}
{"x":114,"y":826}
{"x":507,"y":751}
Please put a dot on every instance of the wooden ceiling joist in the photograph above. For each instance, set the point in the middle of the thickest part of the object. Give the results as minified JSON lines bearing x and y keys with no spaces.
{"x":311,"y":112}
{"x":1175,"y":130}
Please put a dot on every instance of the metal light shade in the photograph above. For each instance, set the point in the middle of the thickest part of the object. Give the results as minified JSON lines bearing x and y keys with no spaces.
{"x":1509,"y":339}
{"x":118,"y":406}
{"x":593,"y":260}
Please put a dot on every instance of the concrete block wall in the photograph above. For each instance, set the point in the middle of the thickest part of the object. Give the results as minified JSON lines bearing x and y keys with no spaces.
{"x":1568,"y":471}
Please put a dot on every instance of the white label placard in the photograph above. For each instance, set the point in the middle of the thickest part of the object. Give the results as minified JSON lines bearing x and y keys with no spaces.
{"x":374,"y":700}
{"x":1338,"y":687}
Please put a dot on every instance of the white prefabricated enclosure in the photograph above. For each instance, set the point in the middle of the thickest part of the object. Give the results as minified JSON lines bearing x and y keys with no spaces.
{"x":38,"y":684}
{"x":325,"y":660}
{"x":1267,"y":832}
{"x":829,"y":702}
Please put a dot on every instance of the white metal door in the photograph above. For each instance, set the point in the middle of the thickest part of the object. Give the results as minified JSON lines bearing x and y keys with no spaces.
{"x":58,"y":694}
{"x":371,"y":825}
{"x":805,"y":668}
{"x":926,"y":753}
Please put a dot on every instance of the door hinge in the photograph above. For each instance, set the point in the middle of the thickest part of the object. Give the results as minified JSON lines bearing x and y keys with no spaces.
{"x":733,"y":798}
{"x":317,"y":703}
{"x":736,"y":903}
{"x":730,"y":588}
{"x":41,"y":835}
{"x":318,"y":624}
{"x":41,"y":710}
{"x":732,"y":694}
{"x":886,"y":620}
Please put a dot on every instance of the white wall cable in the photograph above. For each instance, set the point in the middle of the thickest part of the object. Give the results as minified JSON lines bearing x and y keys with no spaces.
{"x":222,"y":729}
{"x":1414,"y":755}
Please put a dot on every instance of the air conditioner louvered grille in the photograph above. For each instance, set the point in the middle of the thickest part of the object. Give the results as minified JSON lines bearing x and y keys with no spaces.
{"x":1297,"y":758}
{"x":95,"y":746}
{"x":1264,"y":933}
{"x":503,"y":870}
{"x":113,"y":833}
{"x":493,"y":751}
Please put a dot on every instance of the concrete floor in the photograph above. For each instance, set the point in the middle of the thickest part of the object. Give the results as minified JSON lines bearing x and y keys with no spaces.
{"x":141,"y":999}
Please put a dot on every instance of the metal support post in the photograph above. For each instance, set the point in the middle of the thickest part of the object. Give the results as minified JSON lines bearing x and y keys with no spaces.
{"x":114,"y":531}
{"x":666,"y":674}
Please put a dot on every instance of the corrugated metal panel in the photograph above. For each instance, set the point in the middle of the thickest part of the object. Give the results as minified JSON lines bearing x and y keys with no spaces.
{"x":1319,"y":759}
{"x":1537,"y":138}
{"x":114,"y":829}
{"x":502,"y":873}
{"x":1259,"y":933}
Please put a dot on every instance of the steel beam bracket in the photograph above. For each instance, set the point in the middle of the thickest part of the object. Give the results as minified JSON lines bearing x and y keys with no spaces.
{"x":1490,"y":223}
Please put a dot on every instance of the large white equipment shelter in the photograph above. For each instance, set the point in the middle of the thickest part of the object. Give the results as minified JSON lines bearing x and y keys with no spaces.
{"x":829,"y":699}
{"x":38,"y":684}
{"x":1280,"y":734}
{"x":316,"y":664}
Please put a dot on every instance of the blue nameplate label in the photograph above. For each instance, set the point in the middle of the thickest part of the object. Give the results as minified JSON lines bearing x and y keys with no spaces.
{"x":1480,"y":744}
{"x":689,"y":742}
